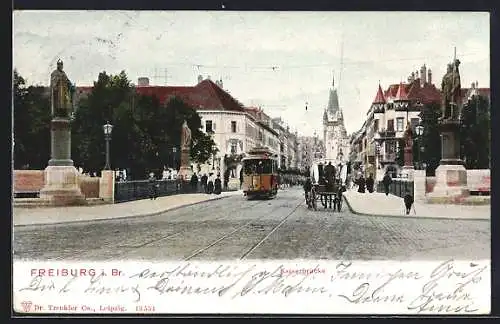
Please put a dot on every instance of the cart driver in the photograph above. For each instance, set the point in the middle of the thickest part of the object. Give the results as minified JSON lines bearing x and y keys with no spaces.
{"x":330,"y":173}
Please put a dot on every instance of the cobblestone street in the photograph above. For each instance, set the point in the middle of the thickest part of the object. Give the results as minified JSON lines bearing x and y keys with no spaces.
{"x":236,"y":228}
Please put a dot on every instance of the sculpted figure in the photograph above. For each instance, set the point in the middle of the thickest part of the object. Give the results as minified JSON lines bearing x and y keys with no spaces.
{"x":450,"y":87}
{"x":446,"y":85}
{"x":186,"y":136}
{"x":456,"y":97}
{"x":60,"y":92}
{"x":408,"y":136}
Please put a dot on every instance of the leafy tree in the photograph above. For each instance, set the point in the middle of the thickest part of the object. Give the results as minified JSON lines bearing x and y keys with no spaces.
{"x":176,"y":111}
{"x":144,"y":131}
{"x":431,"y":140}
{"x":31,"y":125}
{"x":475,"y":133}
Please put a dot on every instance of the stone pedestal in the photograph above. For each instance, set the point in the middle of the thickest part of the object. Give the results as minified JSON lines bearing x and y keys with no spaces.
{"x":185,"y":171}
{"x":451,"y":175}
{"x":107,"y":186}
{"x":61,"y":186}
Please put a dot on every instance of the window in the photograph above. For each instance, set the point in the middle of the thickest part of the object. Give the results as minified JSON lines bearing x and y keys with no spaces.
{"x":390,"y":125}
{"x":208,"y":126}
{"x":400,"y":124}
{"x":234,"y":148}
{"x":414,"y":124}
{"x":233,"y":127}
{"x":257,"y":166}
{"x":375,"y":125}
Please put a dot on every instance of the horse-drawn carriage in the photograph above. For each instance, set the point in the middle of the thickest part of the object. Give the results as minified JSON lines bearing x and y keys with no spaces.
{"x":328,"y":184}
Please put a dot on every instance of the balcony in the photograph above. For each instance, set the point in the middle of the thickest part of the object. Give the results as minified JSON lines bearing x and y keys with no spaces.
{"x":384,"y":134}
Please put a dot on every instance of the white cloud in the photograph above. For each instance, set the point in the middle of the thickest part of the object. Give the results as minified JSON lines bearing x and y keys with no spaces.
{"x":242,"y":47}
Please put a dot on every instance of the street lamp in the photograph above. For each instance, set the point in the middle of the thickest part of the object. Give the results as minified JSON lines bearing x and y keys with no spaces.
{"x":420,"y":131}
{"x":108,"y":128}
{"x":174,"y":160}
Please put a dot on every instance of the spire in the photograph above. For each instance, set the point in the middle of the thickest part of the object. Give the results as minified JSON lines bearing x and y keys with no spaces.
{"x":379,"y":98}
{"x":333,"y":80}
{"x":401,"y":94}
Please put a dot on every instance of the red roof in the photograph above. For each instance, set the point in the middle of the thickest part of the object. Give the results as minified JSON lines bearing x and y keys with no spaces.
{"x":205,"y":95}
{"x":428,"y":93}
{"x":379,"y":98}
{"x":401,"y":94}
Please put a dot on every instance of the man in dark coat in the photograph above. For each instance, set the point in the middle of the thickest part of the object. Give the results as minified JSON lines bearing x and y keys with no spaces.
{"x":241,"y":177}
{"x":217,"y":185}
{"x":387,"y":182}
{"x":194,"y":182}
{"x":226,"y":178}
{"x":370,"y":183}
{"x":361,"y":184}
{"x":408,"y":199}
{"x":204,"y":180}
{"x":153,"y":186}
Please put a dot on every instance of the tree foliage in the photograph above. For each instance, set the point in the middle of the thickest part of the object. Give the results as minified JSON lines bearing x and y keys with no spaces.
{"x":31,"y":125}
{"x":144,"y":133}
{"x":476,"y":133}
{"x":431,"y":140}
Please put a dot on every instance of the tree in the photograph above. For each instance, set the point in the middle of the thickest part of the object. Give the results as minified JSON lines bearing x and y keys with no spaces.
{"x":431,"y":140}
{"x":144,"y":131}
{"x":31,"y":125}
{"x":475,"y":133}
{"x":176,"y":111}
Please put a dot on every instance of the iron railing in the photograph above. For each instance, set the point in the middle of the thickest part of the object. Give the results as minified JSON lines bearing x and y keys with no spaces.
{"x":141,"y":189}
{"x":398,"y":187}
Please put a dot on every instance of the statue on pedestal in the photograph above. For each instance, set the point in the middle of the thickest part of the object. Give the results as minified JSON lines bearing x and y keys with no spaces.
{"x":60,"y":89}
{"x":185,"y":170}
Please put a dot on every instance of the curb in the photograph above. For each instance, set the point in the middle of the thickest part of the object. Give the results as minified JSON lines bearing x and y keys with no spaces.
{"x":122,"y":217}
{"x":412,"y":217}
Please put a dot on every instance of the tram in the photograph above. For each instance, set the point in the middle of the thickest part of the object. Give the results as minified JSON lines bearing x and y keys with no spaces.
{"x":260,"y":173}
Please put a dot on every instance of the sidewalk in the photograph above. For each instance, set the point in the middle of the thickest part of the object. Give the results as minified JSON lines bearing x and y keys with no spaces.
{"x":378,"y":204}
{"x":144,"y":207}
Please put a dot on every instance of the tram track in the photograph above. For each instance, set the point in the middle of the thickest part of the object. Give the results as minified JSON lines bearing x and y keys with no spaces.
{"x":130,"y":248}
{"x":239,"y":228}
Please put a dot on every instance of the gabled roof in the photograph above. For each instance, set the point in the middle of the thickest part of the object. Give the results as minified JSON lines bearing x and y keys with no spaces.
{"x":401,"y":95}
{"x":206,"y":95}
{"x":379,"y":98}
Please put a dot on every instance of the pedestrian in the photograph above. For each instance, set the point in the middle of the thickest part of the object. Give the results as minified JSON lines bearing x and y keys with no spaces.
{"x":153,"y":186}
{"x":386,"y":181}
{"x":194,"y":182}
{"x":408,"y":199}
{"x":370,"y":183}
{"x":307,"y":190}
{"x":204,"y":181}
{"x":226,"y":179}
{"x":210,"y":184}
{"x":361,"y":184}
{"x":241,"y":178}
{"x":217,"y":185}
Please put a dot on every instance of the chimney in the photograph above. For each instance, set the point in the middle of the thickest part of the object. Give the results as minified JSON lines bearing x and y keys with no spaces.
{"x":221,"y":84}
{"x":143,"y":82}
{"x":200,"y":78}
{"x":473,"y":85}
{"x":209,"y":77}
{"x":423,"y":74}
{"x":429,"y":76}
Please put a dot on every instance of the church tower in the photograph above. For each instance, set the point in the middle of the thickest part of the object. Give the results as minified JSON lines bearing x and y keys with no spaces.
{"x":334,"y":132}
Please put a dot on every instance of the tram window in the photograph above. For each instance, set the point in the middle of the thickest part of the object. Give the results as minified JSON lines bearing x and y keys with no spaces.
{"x":258,"y":166}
